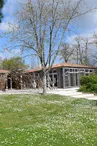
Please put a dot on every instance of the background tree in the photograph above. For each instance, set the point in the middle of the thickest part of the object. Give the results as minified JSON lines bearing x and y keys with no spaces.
{"x":66,"y":52}
{"x":94,"y":52}
{"x":82,"y":50}
{"x":17,"y":68}
{"x":41,"y":28}
{"x":1,"y":6}
{"x":87,"y":50}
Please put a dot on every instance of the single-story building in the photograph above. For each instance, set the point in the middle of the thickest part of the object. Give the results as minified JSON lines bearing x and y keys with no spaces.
{"x":60,"y":76}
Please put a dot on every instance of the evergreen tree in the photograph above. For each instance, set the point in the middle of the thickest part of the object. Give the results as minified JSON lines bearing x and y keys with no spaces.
{"x":1,"y":6}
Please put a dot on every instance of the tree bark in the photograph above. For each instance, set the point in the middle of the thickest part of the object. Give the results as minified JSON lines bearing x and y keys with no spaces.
{"x":44,"y":83}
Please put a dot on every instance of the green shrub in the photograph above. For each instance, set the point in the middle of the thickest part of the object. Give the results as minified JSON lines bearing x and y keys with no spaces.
{"x":82,"y":89}
{"x":93,"y":79}
{"x":88,"y":83}
{"x":84,"y":80}
{"x":95,"y":88}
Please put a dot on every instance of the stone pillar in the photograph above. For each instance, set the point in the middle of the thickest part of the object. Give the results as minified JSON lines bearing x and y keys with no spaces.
{"x":6,"y":83}
{"x":10,"y":83}
{"x":78,"y":78}
{"x":57,"y":78}
{"x":21,"y":82}
{"x":69,"y":80}
{"x":74,"y":79}
{"x":63,"y":78}
{"x":48,"y":80}
{"x":52,"y":79}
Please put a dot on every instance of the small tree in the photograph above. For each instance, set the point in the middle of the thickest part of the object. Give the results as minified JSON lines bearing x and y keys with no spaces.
{"x":17,"y":68}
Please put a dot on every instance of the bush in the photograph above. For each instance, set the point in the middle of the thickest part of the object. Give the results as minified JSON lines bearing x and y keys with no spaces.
{"x":84,"y":80}
{"x":95,"y":88}
{"x":88,"y":84}
{"x":82,"y":88}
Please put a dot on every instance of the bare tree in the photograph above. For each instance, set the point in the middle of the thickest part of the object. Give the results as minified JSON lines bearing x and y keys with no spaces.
{"x":41,"y":27}
{"x":94,"y":52}
{"x":82,"y":50}
{"x":66,"y":52}
{"x":87,"y":51}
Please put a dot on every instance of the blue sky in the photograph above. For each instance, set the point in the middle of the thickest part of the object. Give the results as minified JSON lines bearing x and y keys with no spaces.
{"x":85,"y":25}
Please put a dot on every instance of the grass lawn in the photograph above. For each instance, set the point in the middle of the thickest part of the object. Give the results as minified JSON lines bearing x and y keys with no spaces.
{"x":52,"y":120}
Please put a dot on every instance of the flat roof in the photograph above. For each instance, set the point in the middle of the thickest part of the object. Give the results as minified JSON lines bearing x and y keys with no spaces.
{"x":65,"y":65}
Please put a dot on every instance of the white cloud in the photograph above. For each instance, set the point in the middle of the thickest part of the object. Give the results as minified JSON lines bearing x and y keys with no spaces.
{"x":2,"y":56}
{"x":11,"y":7}
{"x":4,"y":26}
{"x":9,"y":10}
{"x":89,"y":20}
{"x":89,"y":34}
{"x":86,"y":23}
{"x":8,"y":54}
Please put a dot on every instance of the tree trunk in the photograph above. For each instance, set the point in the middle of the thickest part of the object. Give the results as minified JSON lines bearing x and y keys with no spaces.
{"x":44,"y":84}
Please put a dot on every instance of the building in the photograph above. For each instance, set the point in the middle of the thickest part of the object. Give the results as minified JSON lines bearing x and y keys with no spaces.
{"x":3,"y":79}
{"x":60,"y":76}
